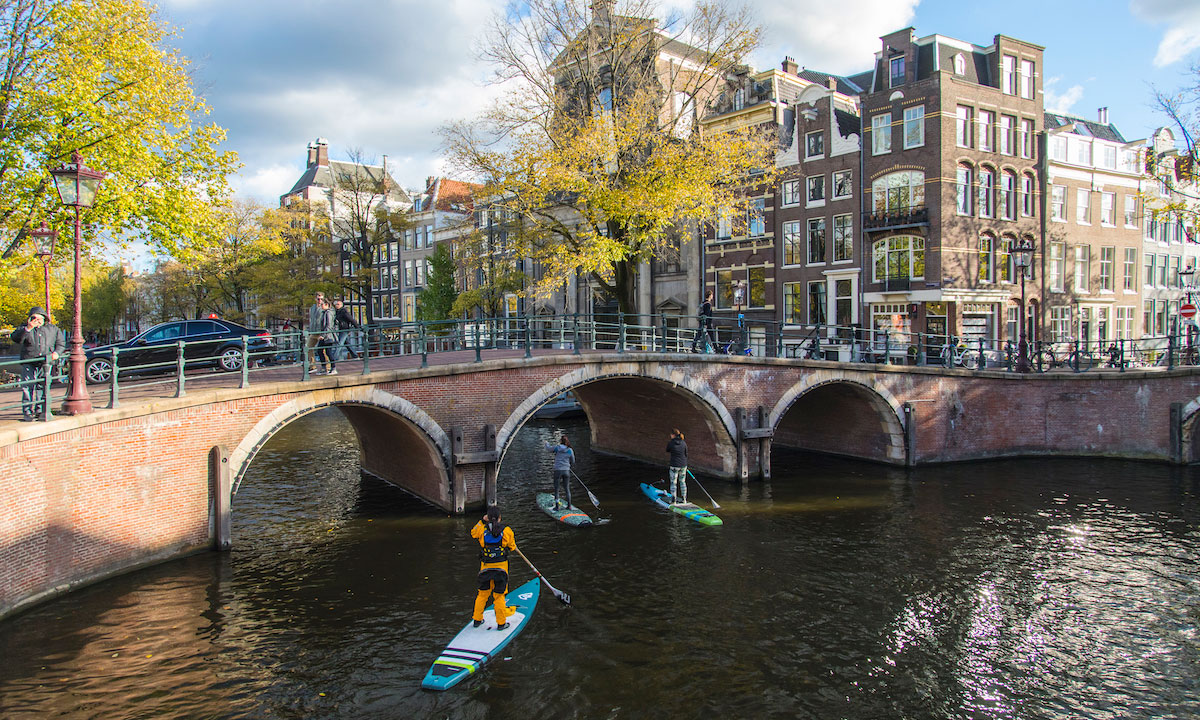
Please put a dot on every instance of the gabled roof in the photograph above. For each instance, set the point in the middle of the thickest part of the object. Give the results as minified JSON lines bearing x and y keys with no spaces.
{"x":447,"y":195}
{"x":328,"y":176}
{"x":1084,"y":128}
{"x":845,"y":85}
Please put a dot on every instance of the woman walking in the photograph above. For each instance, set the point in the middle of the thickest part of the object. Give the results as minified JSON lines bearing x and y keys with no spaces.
{"x":564,"y":460}
{"x":327,"y":326}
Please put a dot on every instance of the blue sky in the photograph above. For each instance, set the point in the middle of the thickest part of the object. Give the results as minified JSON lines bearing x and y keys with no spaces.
{"x":382,"y":75}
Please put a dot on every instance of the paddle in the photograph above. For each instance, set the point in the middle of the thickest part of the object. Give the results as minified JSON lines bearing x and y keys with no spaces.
{"x":716,"y":505}
{"x":566,"y":599}
{"x":589,"y":492}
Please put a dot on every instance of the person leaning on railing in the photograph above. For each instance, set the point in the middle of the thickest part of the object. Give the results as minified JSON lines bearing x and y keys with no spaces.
{"x":37,"y":338}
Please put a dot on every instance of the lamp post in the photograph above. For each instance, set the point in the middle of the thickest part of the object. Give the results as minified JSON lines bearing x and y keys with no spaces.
{"x":43,"y":243}
{"x":1022,"y":253}
{"x":77,"y":185}
{"x":1185,"y":281}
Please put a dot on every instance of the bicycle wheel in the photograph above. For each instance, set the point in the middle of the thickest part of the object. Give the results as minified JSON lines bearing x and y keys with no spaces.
{"x":1042,"y":360}
{"x":970,"y":359}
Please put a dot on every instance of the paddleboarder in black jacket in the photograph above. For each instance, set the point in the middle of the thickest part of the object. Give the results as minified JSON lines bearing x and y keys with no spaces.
{"x":677,"y":449}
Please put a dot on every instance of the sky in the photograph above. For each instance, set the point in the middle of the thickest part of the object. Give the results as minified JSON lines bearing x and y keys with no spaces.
{"x":381,"y":76}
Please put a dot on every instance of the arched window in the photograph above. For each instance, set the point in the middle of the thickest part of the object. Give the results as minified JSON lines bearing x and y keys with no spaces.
{"x":963,"y":189}
{"x":987,"y":259}
{"x":960,"y":64}
{"x":1008,"y":195}
{"x":899,"y":192}
{"x":987,"y":190}
{"x":899,"y":257}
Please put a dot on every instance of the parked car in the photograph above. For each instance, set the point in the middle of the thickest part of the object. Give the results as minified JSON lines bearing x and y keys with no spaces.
{"x":211,"y":341}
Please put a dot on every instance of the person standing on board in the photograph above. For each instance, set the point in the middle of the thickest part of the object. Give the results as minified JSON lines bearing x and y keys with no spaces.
{"x":706,"y":315}
{"x":495,"y":541}
{"x":564,"y":460}
{"x":677,"y":449}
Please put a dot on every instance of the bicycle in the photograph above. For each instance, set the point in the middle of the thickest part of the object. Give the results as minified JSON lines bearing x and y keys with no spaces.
{"x":955,"y":353}
{"x":1046,"y":359}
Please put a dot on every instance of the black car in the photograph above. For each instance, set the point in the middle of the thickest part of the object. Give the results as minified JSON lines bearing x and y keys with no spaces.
{"x":210,"y":341}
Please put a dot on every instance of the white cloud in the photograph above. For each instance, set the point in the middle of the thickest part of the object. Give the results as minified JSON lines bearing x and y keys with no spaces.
{"x":1061,"y":102}
{"x":840,"y":38}
{"x":1182,"y":35}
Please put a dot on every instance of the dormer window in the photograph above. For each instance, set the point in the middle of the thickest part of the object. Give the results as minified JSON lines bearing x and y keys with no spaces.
{"x":897,"y":70}
{"x":960,"y":65}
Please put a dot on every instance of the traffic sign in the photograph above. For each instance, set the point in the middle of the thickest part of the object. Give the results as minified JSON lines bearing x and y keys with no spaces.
{"x":1187,"y":311}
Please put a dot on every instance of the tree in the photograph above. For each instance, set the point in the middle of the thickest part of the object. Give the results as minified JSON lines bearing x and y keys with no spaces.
{"x":98,"y":77}
{"x":284,"y":282}
{"x":438,"y":298}
{"x":1177,"y":166}
{"x":593,"y":148}
{"x":491,"y":273}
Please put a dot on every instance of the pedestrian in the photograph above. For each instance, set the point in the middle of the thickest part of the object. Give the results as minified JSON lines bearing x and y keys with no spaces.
{"x":326,"y":326}
{"x":315,"y":313}
{"x":345,"y":321}
{"x":706,"y":315}
{"x":564,"y":460}
{"x":38,"y":338}
{"x":677,"y":449}
{"x":495,"y":541}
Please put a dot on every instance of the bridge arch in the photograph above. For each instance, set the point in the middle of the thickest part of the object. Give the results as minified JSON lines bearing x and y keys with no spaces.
{"x":1190,"y":432}
{"x":842,"y":415}
{"x":398,"y":441}
{"x":619,"y":396}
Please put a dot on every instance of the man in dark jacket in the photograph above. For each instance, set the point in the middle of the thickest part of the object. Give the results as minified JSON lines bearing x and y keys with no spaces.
{"x":677,"y":449}
{"x":37,"y":339}
{"x":344,"y":321}
{"x":703,"y":336}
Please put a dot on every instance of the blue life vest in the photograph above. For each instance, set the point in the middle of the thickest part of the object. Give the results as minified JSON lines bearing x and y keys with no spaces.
{"x":493,"y":551}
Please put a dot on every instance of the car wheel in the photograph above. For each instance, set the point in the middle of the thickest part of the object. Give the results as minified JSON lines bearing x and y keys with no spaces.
{"x":230,"y":359}
{"x":98,"y":371}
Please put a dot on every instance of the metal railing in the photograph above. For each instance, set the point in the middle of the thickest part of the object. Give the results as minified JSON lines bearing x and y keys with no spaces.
{"x":171,"y":369}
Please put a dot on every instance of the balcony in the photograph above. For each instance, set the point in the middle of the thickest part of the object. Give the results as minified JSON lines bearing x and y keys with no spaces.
{"x":896,"y":218}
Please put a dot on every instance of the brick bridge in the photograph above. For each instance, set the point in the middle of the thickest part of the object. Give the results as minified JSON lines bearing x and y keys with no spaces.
{"x":90,"y":496}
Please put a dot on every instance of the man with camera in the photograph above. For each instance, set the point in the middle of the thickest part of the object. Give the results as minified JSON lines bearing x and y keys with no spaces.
{"x":37,"y":338}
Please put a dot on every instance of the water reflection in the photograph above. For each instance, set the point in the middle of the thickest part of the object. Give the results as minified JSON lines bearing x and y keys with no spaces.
{"x":1032,"y":589}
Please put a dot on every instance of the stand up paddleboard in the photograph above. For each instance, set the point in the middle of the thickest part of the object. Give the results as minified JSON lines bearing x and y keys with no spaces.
{"x":571,"y":515}
{"x":692,"y":512}
{"x":474,"y":646}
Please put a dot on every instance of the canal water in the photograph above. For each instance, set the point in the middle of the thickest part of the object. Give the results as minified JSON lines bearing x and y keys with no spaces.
{"x":1020,"y":589}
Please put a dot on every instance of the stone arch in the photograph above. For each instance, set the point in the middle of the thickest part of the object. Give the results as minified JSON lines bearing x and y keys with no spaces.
{"x":388,"y":426}
{"x":694,"y":404}
{"x":1190,"y":420}
{"x":887,"y":446}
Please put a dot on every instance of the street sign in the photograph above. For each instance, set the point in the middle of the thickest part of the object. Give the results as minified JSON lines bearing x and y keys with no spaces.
{"x":1187,"y":311}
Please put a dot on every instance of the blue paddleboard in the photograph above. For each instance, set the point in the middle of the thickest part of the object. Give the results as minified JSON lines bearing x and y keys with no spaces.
{"x":692,"y":512}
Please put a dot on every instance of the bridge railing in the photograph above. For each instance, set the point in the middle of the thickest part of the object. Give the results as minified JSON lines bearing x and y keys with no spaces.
{"x":173,"y":368}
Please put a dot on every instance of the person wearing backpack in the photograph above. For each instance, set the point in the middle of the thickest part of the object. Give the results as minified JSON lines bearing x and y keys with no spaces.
{"x":496,"y":540}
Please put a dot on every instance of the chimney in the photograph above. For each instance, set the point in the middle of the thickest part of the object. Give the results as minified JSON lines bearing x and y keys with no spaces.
{"x":1103,"y":112}
{"x":789,"y":65}
{"x":318,"y":152}
{"x":602,"y":10}
{"x":831,"y":83}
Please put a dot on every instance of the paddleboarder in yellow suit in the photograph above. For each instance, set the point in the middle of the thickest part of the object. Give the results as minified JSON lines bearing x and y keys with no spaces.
{"x":495,"y":541}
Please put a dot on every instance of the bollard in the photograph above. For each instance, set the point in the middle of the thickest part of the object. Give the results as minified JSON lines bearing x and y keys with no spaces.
{"x":46,"y":378}
{"x":245,"y":361}
{"x":575,"y":329}
{"x":179,"y":366}
{"x":424,"y":351}
{"x":114,"y":383}
{"x":528,"y":339}
{"x":304,"y":354}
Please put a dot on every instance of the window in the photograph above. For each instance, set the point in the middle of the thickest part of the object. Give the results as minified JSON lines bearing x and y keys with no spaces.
{"x":1025,"y":138}
{"x":724,"y":226}
{"x":1147,"y":317}
{"x":898,"y":192}
{"x":1058,"y":148}
{"x":1060,"y":323}
{"x":843,"y":186}
{"x":1028,"y":196}
{"x":1005,"y":267}
{"x":791,"y":192}
{"x":899,"y":257}
{"x":1108,"y":259}
{"x":1148,"y":280}
{"x":1083,"y":206}
{"x":1162,"y":271}
{"x":1108,"y":157}
{"x":1130,"y":270}
{"x":1058,"y":203}
{"x":793,"y":303}
{"x":897,"y":71}
{"x":1108,"y":213}
{"x":1081,"y":151}
{"x":987,"y":248}
{"x":816,"y":241}
{"x":816,"y":190}
{"x":814,"y":145}
{"x":987,"y":189}
{"x":986,"y":121}
{"x":962,"y":127}
{"x":960,"y":65}
{"x":793,"y":248}
{"x":1083,"y":268}
{"x":1008,"y":75}
{"x":1124,"y":328}
{"x":1056,"y":266}
{"x":843,"y":237}
{"x":962,"y":189}
{"x":755,"y":223}
{"x":1008,"y":195}
{"x":816,"y":303}
{"x":1007,"y":127}
{"x":843,"y":303}
{"x":1026,"y":80}
{"x":881,"y":134}
{"x":914,"y":127}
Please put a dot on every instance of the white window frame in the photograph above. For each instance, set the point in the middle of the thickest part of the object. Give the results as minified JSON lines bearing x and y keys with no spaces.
{"x":848,"y":175}
{"x":790,"y":192}
{"x":963,"y":125}
{"x":881,"y":134}
{"x":1083,"y":206}
{"x":914,"y":127}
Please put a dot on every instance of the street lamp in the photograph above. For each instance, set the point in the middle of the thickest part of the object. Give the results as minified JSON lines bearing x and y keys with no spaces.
{"x":1022,"y":254}
{"x":43,"y":243}
{"x":77,"y":185}
{"x":1185,"y":281}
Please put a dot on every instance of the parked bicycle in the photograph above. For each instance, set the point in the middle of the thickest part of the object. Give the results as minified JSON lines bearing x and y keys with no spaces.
{"x":955,"y":353}
{"x":1071,"y":357}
